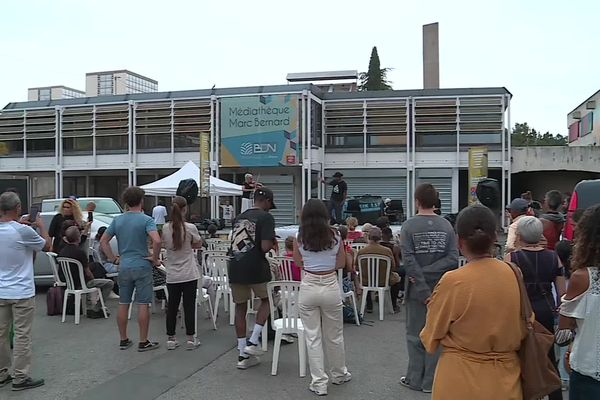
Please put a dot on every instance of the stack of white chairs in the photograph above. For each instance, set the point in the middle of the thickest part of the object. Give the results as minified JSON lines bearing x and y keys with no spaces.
{"x":372,"y":267}
{"x":289,"y":323}
{"x":217,"y":268}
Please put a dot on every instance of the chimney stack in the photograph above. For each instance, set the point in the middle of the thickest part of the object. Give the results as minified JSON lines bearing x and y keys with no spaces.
{"x":431,"y":56}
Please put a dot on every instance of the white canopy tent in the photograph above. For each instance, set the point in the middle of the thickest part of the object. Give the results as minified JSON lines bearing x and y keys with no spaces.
{"x":167,"y":186}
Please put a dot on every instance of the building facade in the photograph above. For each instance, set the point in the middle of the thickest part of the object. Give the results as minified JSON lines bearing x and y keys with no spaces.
{"x":584,"y":122}
{"x":385,"y":143}
{"x":47,"y":93}
{"x":109,"y":83}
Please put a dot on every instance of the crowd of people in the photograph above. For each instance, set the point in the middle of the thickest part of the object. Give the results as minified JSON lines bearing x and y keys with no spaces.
{"x":464,"y":326}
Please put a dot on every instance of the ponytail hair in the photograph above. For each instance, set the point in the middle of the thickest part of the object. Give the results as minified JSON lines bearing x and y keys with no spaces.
{"x":178,"y":222}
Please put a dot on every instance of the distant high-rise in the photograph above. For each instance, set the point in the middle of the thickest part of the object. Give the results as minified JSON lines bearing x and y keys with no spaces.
{"x":108,"y":83}
{"x":431,"y":56}
{"x":53,"y":93}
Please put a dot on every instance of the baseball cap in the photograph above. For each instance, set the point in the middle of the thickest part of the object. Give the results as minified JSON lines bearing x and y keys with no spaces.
{"x":265,"y":193}
{"x":518,"y":205}
{"x":388,"y":200}
{"x":338,"y":175}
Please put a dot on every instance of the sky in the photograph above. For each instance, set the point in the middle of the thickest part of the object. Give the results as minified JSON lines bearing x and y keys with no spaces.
{"x":544,"y":52}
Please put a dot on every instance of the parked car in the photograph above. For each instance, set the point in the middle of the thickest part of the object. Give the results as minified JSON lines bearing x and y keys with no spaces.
{"x":106,"y":210}
{"x":104,"y":205}
{"x":585,"y":194}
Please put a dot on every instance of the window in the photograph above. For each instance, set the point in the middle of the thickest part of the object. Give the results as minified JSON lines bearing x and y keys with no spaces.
{"x":386,"y":140}
{"x":316,"y":123}
{"x":187,"y":142}
{"x":153,"y":143}
{"x":115,"y":144}
{"x":77,"y":145}
{"x":105,"y":85}
{"x":40,"y":147}
{"x":44,"y":94}
{"x":345,"y":141}
{"x":436,"y":139}
{"x":11,"y":148}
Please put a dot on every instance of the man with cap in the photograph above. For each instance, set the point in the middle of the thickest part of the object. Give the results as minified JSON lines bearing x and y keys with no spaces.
{"x":517,"y":208}
{"x":338,"y":197}
{"x":253,"y":236}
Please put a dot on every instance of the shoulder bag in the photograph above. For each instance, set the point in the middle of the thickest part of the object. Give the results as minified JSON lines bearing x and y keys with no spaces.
{"x":538,"y":375}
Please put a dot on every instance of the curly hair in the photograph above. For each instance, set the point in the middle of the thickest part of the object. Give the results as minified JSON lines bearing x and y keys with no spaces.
{"x":586,"y":252}
{"x":315,"y":234}
{"x":75,"y":209}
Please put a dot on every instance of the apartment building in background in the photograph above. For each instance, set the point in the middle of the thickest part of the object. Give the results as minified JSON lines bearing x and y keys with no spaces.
{"x":110,"y":83}
{"x":584,"y":122}
{"x":58,"y":92}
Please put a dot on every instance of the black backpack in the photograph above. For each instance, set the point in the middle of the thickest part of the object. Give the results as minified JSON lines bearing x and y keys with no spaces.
{"x":188,"y":189}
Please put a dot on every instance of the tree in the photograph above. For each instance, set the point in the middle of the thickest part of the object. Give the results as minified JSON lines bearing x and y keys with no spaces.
{"x":523,"y":135}
{"x":376,"y":77}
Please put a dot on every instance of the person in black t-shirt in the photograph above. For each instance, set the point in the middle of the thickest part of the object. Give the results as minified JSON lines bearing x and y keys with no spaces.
{"x":250,"y":185}
{"x":253,"y":236}
{"x":339,"y":192}
{"x":71,"y":249}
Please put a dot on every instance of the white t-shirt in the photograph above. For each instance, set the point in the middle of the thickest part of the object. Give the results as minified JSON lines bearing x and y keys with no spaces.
{"x":159,"y":213}
{"x":227,"y":212}
{"x":18,"y":243}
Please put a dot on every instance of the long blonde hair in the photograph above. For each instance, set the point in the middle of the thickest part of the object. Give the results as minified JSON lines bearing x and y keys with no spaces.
{"x":75,"y":209}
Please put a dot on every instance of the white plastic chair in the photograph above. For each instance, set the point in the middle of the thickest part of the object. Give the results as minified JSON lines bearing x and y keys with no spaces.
{"x":285,"y":267}
{"x":65,"y":264}
{"x":348,"y":242}
{"x":202,"y":297}
{"x":373,"y":270}
{"x":281,"y":245}
{"x":289,"y":323}
{"x":357,"y":246}
{"x":349,"y":294}
{"x":52,"y":260}
{"x":206,"y":266}
{"x":218,"y":272}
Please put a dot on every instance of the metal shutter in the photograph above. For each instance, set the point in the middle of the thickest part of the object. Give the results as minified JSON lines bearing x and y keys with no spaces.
{"x":444,"y":187}
{"x":285,"y":198}
{"x":388,"y":186}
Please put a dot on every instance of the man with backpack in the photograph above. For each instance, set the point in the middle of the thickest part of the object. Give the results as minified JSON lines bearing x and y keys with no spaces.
{"x":17,"y":290}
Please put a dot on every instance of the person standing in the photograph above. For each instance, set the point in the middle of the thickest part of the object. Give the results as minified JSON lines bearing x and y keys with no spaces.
{"x":319,"y":251}
{"x":250,"y":185}
{"x":553,"y":220}
{"x":159,"y":213}
{"x":517,"y":209}
{"x":68,"y":214}
{"x":580,"y":309}
{"x":429,"y":250}
{"x":339,"y":192}
{"x":541,"y":270}
{"x":180,"y":238}
{"x":17,"y":290}
{"x":252,"y":236}
{"x":132,"y":230}
{"x":474,"y":316}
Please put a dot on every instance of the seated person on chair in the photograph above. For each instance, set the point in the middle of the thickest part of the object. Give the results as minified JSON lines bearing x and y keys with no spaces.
{"x":72,"y":250}
{"x":289,"y":253}
{"x":350,"y":282}
{"x":99,"y":256}
{"x":375,"y":248}
{"x":353,"y":234}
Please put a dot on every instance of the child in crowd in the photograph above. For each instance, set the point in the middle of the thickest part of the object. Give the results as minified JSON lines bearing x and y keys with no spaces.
{"x":351,"y":279}
{"x":353,"y":234}
{"x":289,"y":253}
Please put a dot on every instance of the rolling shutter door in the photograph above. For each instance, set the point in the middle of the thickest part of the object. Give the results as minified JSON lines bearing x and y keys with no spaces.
{"x":388,"y":186}
{"x":444,"y":188}
{"x":285,"y":198}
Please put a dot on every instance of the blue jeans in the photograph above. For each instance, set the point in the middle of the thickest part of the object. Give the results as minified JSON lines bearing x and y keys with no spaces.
{"x":583,"y":387}
{"x":139,"y":279}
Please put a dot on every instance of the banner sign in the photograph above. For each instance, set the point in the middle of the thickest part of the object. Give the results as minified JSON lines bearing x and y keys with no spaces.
{"x":478,"y":170}
{"x":204,"y":164}
{"x":260,"y":131}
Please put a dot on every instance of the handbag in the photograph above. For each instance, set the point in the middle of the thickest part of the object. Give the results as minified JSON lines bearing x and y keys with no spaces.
{"x":54,"y":300}
{"x":538,"y":375}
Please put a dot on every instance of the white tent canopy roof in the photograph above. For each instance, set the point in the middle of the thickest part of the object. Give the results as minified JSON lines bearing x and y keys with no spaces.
{"x":167,"y":186}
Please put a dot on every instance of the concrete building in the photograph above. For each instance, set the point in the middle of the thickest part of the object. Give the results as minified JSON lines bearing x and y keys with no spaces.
{"x":385,"y":143}
{"x":584,"y":122}
{"x":53,"y":93}
{"x":109,"y":83}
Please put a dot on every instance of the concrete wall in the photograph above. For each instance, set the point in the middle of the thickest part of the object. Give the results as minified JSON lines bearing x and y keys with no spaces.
{"x":91,"y":85}
{"x":555,"y":158}
{"x":32,"y":94}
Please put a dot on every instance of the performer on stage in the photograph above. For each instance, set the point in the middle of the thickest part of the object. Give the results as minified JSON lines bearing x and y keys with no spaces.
{"x":250,"y":185}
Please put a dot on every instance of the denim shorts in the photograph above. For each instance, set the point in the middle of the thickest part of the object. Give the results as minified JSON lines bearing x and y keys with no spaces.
{"x":139,"y":279}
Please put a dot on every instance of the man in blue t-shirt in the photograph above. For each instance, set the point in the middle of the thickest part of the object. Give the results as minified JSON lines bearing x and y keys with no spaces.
{"x":132,"y":230}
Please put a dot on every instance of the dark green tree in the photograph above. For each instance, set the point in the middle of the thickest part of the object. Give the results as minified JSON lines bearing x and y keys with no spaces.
{"x":376,"y":77}
{"x":523,"y":135}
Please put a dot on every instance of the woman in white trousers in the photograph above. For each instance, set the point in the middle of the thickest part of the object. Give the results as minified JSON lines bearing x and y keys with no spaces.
{"x":319,"y":251}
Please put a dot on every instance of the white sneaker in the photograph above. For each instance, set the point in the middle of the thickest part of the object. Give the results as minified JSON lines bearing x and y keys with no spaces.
{"x":288,"y":338}
{"x":172,"y":344}
{"x":247,"y":362}
{"x":342,"y":379}
{"x":113,"y":295}
{"x":318,"y":391}
{"x":253,"y":349}
{"x":192,"y":344}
